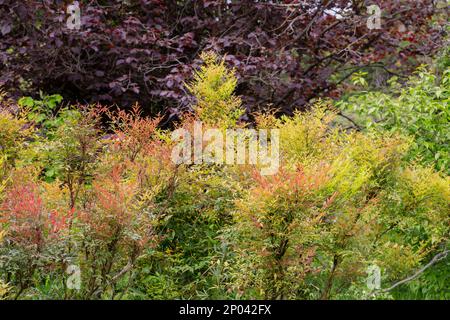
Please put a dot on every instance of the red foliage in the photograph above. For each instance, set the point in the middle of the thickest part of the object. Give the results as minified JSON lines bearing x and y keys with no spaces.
{"x":26,"y":218}
{"x":134,"y":133}
{"x":23,"y":211}
{"x":111,"y":215}
{"x":60,"y":222}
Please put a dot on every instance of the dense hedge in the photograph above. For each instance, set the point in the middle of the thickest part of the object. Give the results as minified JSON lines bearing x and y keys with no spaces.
{"x":139,"y":226}
{"x":419,"y":109}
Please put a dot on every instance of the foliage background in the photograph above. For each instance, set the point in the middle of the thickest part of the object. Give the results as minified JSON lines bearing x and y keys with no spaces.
{"x":363,"y":120}
{"x":284,"y":53}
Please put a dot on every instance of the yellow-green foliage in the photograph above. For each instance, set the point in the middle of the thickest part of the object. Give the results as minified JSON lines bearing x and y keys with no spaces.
{"x":425,"y":195}
{"x":340,"y":202}
{"x":4,"y":170}
{"x":4,"y":288}
{"x":213,"y":86}
{"x":12,"y":134}
{"x":364,"y":160}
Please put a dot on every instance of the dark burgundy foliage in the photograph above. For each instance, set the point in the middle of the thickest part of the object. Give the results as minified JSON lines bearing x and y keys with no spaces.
{"x":284,"y":52}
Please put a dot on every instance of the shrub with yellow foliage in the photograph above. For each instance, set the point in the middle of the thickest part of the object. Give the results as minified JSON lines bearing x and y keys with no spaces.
{"x":340,"y":203}
{"x":213,"y":87}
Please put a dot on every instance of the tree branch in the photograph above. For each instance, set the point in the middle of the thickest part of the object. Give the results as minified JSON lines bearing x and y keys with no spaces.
{"x":436,"y":258}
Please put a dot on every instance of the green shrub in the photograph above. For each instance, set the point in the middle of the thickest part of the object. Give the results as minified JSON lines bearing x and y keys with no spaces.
{"x":419,"y":109}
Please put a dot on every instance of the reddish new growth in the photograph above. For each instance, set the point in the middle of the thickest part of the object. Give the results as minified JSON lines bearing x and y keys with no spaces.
{"x":114,"y":196}
{"x":135,"y":134}
{"x":112,"y":213}
{"x":27,"y":221}
{"x":286,"y":181}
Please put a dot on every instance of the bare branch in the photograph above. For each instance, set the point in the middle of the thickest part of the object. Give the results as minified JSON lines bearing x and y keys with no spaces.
{"x":436,"y":258}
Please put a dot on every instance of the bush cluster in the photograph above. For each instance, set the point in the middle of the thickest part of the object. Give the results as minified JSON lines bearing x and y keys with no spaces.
{"x":97,"y":189}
